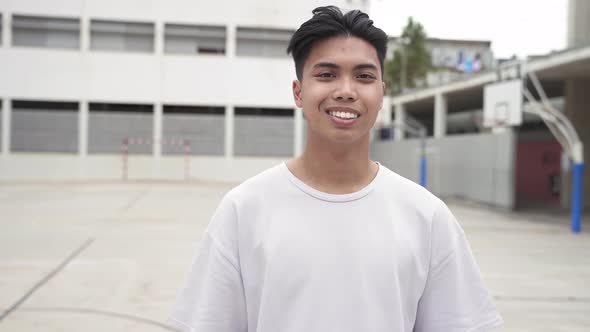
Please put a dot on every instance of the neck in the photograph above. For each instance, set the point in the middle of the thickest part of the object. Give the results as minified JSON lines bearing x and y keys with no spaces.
{"x":335,"y":168}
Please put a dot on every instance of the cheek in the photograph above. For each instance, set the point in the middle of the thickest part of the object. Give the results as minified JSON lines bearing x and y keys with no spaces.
{"x":313,"y":96}
{"x":374,"y":98}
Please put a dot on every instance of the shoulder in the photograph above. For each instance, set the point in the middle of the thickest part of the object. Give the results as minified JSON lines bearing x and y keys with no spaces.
{"x":259,"y":185}
{"x":239,"y":203}
{"x":421,"y":204}
{"x":266,"y":188}
{"x":249,"y":199}
{"x":425,"y":211}
{"x":408,"y":194}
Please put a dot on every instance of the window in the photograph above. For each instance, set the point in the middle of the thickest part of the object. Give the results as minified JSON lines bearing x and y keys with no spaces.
{"x":262,"y":42}
{"x":278,"y":112}
{"x":202,"y":126}
{"x":110,"y":124}
{"x":44,"y":126}
{"x":194,"y":39}
{"x":51,"y":32}
{"x":263,"y":132}
{"x":121,"y":36}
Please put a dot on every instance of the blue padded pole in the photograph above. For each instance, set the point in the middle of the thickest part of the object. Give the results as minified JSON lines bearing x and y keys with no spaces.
{"x":577,"y":188}
{"x":423,"y":171}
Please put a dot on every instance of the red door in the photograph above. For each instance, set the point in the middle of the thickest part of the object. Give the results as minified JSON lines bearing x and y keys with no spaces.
{"x":538,"y":172}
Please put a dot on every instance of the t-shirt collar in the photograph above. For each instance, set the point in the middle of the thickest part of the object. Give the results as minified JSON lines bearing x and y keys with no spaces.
{"x":327,"y":196}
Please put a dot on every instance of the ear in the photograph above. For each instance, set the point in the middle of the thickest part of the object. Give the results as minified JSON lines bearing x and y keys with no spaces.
{"x":297,"y":93}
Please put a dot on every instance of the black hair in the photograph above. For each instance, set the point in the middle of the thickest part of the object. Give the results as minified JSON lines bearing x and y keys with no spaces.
{"x":329,"y":22}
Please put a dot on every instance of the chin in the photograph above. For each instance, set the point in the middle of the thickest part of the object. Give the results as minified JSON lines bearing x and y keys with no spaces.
{"x":347,"y":138}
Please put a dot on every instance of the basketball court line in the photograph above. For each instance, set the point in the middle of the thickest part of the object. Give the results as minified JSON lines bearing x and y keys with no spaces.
{"x":552,"y":299}
{"x":136,"y":198}
{"x":96,"y":312}
{"x":48,"y":277}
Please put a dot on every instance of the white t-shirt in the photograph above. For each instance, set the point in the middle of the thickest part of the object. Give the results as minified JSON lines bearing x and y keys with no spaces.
{"x":281,"y":256}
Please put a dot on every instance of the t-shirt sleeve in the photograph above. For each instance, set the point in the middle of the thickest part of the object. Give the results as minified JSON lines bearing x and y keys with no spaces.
{"x":455,"y":298}
{"x":212,"y":297}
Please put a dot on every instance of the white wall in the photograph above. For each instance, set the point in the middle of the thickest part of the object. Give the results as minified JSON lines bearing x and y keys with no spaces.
{"x":51,"y":167}
{"x":149,"y":78}
{"x":41,"y":73}
{"x":483,"y":170}
{"x":287,"y":14}
{"x":48,"y":74}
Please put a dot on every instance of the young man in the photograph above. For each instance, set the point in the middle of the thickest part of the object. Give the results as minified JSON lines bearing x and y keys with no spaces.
{"x":332,"y":241}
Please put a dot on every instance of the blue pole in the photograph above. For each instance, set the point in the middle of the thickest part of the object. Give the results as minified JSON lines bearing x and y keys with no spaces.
{"x":577,"y":187}
{"x":423,"y":171}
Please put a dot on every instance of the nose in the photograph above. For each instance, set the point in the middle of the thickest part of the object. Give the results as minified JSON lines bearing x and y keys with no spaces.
{"x":345,"y":90}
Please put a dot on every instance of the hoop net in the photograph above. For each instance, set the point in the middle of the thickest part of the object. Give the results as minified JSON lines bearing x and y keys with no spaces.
{"x":490,"y":124}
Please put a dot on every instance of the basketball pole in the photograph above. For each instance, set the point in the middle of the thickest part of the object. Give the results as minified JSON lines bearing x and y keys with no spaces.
{"x":567,"y":136}
{"x":577,"y":182}
{"x":512,"y":91}
{"x":423,"y":161}
{"x":577,"y":186}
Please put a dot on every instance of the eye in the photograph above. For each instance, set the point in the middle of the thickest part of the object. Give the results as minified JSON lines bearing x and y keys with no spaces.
{"x":325,"y":75}
{"x":366,"y":76}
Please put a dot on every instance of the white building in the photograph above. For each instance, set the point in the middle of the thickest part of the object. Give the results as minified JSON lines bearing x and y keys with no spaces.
{"x":78,"y":77}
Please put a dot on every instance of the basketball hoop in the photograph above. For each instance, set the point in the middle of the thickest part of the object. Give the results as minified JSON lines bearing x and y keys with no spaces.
{"x":478,"y":121}
{"x":503,"y":104}
{"x":492,"y":124}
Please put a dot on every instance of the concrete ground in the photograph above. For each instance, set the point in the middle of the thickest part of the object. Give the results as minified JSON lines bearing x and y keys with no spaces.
{"x":111,"y":256}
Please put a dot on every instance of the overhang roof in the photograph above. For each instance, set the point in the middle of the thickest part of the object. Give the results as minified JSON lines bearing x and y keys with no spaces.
{"x":551,"y":70}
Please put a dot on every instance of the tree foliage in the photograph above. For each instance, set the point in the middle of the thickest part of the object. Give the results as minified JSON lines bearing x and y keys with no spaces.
{"x":417,"y":58}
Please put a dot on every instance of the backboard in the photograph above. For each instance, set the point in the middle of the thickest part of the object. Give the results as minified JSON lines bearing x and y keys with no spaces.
{"x":502,"y":104}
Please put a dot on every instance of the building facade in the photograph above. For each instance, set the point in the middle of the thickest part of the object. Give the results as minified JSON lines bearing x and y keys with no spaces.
{"x":82,"y":76}
{"x":452,"y":59}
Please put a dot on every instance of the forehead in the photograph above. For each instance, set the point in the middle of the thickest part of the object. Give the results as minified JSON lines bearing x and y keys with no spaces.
{"x":342,"y":50}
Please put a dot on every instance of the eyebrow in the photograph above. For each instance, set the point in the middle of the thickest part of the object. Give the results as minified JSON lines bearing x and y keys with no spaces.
{"x":335,"y":66}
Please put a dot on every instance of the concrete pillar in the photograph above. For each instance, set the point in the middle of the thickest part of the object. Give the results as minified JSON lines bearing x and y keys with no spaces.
{"x":578,"y":23}
{"x":158,"y":106}
{"x":385,"y":115}
{"x":400,"y":120}
{"x":6,"y":115}
{"x":229,"y":131}
{"x":230,"y":52}
{"x":83,"y":114}
{"x":6,"y":28}
{"x":384,"y":119}
{"x":85,"y":34}
{"x":157,"y":134}
{"x":159,"y":37}
{"x":83,"y":128}
{"x":577,"y":109}
{"x":230,"y":41}
{"x":440,"y":115}
{"x":298,"y":134}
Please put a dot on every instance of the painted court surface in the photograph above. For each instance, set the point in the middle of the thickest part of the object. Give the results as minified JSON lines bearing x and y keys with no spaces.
{"x":111,"y":256}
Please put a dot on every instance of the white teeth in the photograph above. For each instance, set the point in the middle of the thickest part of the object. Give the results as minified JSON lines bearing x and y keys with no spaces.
{"x":344,"y":115}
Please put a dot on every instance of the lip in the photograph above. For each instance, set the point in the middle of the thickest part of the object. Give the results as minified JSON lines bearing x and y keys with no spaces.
{"x":342,"y":109}
{"x":341,"y":122}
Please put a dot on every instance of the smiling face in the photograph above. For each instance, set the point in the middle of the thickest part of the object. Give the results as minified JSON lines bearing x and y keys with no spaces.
{"x":341,"y":90}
